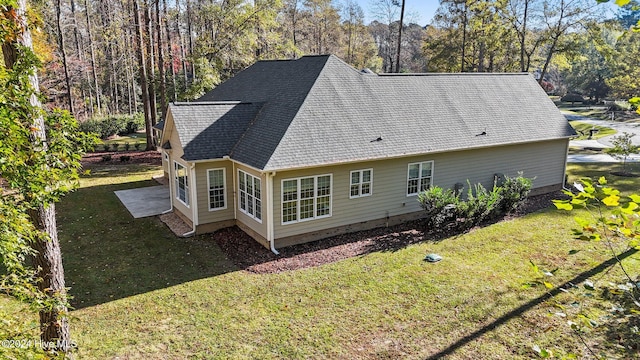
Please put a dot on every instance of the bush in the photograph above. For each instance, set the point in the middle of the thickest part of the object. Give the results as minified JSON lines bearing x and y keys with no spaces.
{"x":114,"y":146}
{"x":440,"y":206}
{"x":106,"y":147}
{"x":514,"y":192}
{"x":112,"y":125}
{"x":125,"y":158}
{"x":572,"y":98}
{"x":127,"y":146}
{"x":106,"y":157}
{"x":445,"y":210}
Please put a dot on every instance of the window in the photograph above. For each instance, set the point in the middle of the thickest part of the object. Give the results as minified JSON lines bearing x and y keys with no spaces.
{"x":306,"y":198}
{"x":361,"y":183}
{"x":165,"y":156}
{"x":250,"y":199}
{"x":182,"y":183}
{"x":216,"y":181}
{"x":419,"y":177}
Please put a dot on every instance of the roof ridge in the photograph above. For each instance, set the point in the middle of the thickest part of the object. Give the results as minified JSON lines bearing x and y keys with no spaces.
{"x":224,"y":102}
{"x":453,"y":74}
{"x":244,"y":133}
{"x":304,"y":102}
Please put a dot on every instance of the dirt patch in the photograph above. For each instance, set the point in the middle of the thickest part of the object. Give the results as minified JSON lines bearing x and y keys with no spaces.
{"x":247,"y":254}
{"x":122,"y":158}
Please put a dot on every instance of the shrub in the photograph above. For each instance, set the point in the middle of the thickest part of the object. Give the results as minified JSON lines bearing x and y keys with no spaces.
{"x":125,"y":158}
{"x":445,"y":210}
{"x":106,"y":147}
{"x":114,"y":146}
{"x":137,"y":146}
{"x":127,"y":146}
{"x":106,"y":157}
{"x":434,"y":201}
{"x":112,"y":125}
{"x":572,"y":98}
{"x":514,"y":192}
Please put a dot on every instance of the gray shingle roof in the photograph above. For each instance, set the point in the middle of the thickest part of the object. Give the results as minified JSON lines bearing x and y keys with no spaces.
{"x":210,"y":130}
{"x":319,"y":110}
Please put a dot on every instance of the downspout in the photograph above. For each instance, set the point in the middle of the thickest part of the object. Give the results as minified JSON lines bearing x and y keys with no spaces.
{"x":270,"y":225}
{"x":194,"y":199}
{"x":564,"y":173}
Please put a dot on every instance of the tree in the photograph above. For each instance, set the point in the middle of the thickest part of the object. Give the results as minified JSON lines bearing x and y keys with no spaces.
{"x":40,"y":158}
{"x":622,"y":148}
{"x":560,"y":18}
{"x":612,"y":228}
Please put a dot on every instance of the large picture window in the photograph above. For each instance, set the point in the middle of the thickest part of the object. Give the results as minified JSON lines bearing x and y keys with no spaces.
{"x":360,"y":183}
{"x":419,"y":177}
{"x":216,"y":181}
{"x":182,"y":182}
{"x":250,"y":199}
{"x":306,"y":198}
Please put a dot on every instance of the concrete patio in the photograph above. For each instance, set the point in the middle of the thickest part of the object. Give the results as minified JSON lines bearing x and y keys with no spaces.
{"x":147,"y":201}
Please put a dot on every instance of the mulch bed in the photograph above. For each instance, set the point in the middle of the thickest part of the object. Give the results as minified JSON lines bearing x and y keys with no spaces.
{"x":116,"y":158}
{"x":247,"y":254}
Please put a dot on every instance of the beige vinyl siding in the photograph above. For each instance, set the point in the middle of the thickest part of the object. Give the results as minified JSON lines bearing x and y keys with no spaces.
{"x":544,"y":160}
{"x":204,"y":215}
{"x":174,"y":155}
{"x":260,"y":228}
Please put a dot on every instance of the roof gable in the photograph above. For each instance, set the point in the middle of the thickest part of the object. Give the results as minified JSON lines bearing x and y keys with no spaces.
{"x":210,"y":130}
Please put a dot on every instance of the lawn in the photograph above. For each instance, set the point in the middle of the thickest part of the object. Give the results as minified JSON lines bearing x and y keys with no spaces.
{"x":141,"y":293}
{"x":135,"y":139}
{"x":583,"y":130}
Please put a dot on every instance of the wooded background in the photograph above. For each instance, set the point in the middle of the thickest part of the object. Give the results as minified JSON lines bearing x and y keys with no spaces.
{"x":122,"y":56}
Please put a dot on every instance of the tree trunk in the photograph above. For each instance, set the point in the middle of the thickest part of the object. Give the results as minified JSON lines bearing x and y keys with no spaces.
{"x":161,"y":64}
{"x":151,"y":72}
{"x":464,"y":37}
{"x":523,"y":36}
{"x":63,"y":52}
{"x":169,"y":52}
{"x":190,"y":38}
{"x":399,"y":38}
{"x":143,"y":76}
{"x":93,"y":59}
{"x":54,"y":326}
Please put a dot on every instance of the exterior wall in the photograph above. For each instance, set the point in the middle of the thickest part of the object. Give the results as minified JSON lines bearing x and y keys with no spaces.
{"x":206,"y":216}
{"x":544,"y":160}
{"x":165,"y":163}
{"x":250,"y":225}
{"x":175,"y":154}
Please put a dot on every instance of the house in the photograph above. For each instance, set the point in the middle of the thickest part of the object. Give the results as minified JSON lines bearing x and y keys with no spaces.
{"x":293,"y":151}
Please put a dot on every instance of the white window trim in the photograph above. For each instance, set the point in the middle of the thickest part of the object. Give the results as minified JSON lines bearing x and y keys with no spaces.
{"x":419,"y":175}
{"x":315,"y":199}
{"x":370,"y":182}
{"x":254,"y":197}
{"x":165,"y":156}
{"x":186,"y":183}
{"x":224,"y":188}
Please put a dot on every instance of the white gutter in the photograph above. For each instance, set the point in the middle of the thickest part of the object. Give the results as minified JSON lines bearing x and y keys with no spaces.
{"x":564,"y":173}
{"x":270,"y":227}
{"x":194,"y":199}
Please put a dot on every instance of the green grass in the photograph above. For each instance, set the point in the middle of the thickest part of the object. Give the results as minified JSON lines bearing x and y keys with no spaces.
{"x":583,"y":130}
{"x":131,"y":139}
{"x":142,"y":293}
